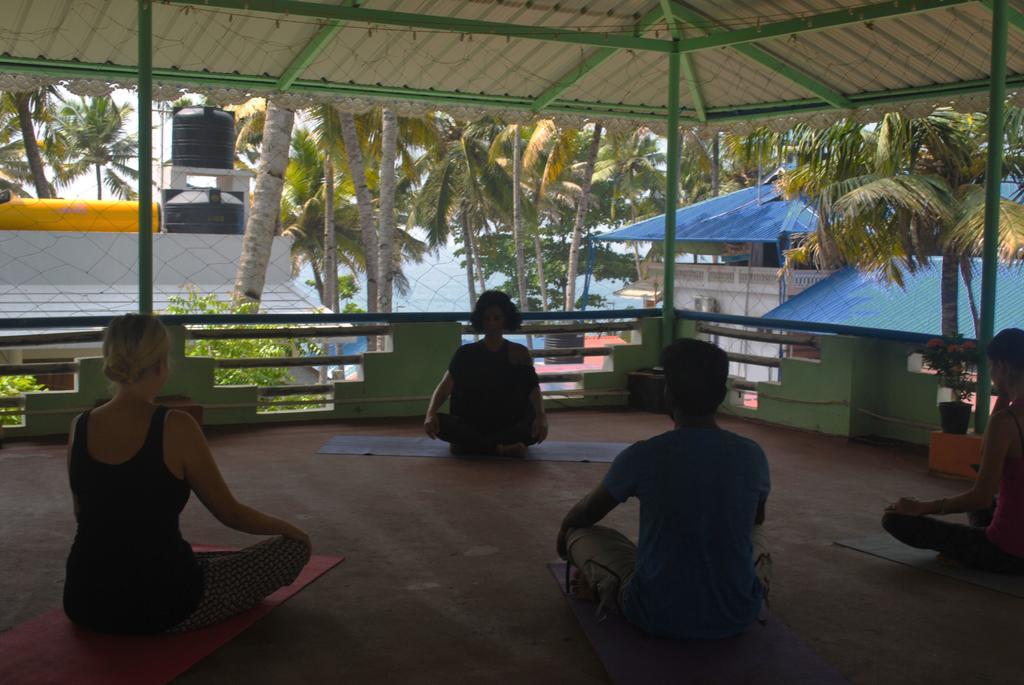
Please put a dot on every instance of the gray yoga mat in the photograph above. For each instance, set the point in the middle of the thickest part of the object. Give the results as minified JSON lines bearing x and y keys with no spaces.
{"x":766,"y":654}
{"x":549,"y":450}
{"x":888,"y":547}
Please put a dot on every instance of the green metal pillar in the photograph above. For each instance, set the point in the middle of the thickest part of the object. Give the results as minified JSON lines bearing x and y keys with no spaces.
{"x":145,"y":114}
{"x":668,"y":313}
{"x":993,"y":178}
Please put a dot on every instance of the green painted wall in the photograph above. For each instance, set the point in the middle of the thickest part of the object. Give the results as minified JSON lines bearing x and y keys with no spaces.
{"x":855,"y":379}
{"x":859,"y":387}
{"x":418,"y":356}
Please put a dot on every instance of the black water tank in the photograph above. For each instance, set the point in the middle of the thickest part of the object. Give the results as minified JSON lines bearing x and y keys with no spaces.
{"x":203,"y":210}
{"x":203,"y":137}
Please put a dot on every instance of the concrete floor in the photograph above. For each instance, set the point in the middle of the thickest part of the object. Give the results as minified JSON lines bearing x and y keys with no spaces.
{"x":445,"y":578}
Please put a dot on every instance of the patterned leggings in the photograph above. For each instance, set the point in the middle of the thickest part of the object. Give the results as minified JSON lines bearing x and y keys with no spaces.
{"x":236,"y":581}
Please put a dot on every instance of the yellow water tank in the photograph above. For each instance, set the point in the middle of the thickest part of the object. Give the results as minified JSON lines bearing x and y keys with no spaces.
{"x":105,"y":216}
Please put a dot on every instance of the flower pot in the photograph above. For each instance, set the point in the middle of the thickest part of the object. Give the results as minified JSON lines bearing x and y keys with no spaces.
{"x":955,"y":417}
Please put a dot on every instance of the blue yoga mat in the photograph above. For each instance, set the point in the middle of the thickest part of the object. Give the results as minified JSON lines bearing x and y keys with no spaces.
{"x":767,"y":653}
{"x":549,"y":450}
{"x":888,"y":547}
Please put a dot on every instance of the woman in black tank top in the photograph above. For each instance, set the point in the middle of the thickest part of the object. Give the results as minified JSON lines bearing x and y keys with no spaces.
{"x":132,"y":466}
{"x":129,"y":569}
{"x":495,"y":395}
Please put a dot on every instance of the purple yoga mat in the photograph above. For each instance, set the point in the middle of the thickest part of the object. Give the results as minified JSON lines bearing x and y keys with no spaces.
{"x":769,"y":654}
{"x":549,"y":450}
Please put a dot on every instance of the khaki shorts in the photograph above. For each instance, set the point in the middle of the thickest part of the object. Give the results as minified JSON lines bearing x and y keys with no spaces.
{"x":607,"y":559}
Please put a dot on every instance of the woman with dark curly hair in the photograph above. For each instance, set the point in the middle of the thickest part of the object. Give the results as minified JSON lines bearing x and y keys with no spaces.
{"x":496,"y":405}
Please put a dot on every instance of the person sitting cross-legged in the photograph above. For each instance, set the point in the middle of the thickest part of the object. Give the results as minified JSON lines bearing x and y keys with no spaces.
{"x":132,"y":466}
{"x":496,"y":405}
{"x":995,"y":540}
{"x":700,"y":569}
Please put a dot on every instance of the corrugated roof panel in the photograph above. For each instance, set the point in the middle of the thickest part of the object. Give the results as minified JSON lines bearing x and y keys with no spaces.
{"x":745,"y":216}
{"x":851,"y":298}
{"x":942,"y":47}
{"x":632,"y":76}
{"x":729,"y":79}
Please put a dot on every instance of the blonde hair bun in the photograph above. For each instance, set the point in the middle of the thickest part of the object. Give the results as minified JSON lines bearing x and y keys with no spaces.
{"x":133,"y":344}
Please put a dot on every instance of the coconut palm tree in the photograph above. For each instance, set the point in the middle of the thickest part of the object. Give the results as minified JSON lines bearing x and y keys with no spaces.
{"x":96,"y":134}
{"x":462,"y":187}
{"x":355,"y":154}
{"x":266,"y":204}
{"x":15,"y":174}
{"x":547,"y":162}
{"x":587,"y":169}
{"x":893,"y":195}
{"x":28,"y":109}
{"x":250,"y":118}
{"x":302,"y":216}
{"x":326,"y":132}
{"x":407,"y":139}
{"x":508,"y":144}
{"x":386,"y":224}
{"x":630,"y":163}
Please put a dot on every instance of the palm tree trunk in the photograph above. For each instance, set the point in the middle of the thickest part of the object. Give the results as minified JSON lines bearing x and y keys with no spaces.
{"x":541,"y":281}
{"x":715,"y":162}
{"x":28,"y":140}
{"x":467,"y":246}
{"x":386,"y":226}
{"x":481,"y":278}
{"x":517,"y":222}
{"x":581,"y":215}
{"x":965,"y":271}
{"x":364,"y":202}
{"x":99,"y":182}
{"x":948,"y":290}
{"x":828,"y":254}
{"x":318,"y":283}
{"x":266,"y":204}
{"x":330,"y":243}
{"x":636,"y":245}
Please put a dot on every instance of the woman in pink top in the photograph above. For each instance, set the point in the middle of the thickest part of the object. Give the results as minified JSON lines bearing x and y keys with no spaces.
{"x":999,"y":546}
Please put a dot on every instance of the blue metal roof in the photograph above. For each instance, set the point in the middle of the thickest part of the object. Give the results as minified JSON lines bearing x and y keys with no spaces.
{"x":750,"y":215}
{"x":851,"y":298}
{"x":744,"y":216}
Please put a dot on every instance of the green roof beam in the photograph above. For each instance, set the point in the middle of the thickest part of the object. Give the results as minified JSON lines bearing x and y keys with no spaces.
{"x":692,"y":83}
{"x":770,"y":61}
{"x":119,"y":73}
{"x":674,"y":27}
{"x":298,"y":8}
{"x":309,"y":53}
{"x":696,"y":95}
{"x":639,"y":111}
{"x":596,"y":59}
{"x":1015,"y":18}
{"x":716,"y":37}
{"x":766,"y":59}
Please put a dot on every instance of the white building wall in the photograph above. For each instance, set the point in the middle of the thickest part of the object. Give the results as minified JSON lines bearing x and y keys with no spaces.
{"x":739,"y":291}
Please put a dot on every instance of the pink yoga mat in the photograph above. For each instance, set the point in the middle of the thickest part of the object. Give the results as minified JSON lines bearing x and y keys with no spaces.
{"x":50,"y":650}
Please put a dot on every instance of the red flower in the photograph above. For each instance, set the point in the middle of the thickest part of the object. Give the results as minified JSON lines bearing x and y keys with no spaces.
{"x":953,"y":349}
{"x":935,"y":342}
{"x":969,"y":345}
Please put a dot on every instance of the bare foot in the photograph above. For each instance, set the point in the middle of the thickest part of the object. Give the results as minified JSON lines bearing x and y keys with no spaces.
{"x":516,"y":449}
{"x":580,"y":588}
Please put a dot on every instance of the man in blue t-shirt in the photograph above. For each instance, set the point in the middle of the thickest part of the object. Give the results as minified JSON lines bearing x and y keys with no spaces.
{"x":699,"y":570}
